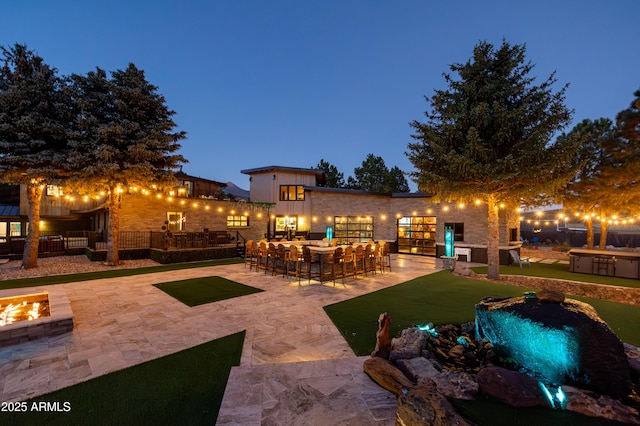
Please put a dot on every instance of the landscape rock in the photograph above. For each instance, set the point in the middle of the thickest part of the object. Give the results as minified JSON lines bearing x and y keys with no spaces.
{"x":416,"y":368}
{"x":603,"y":407}
{"x":511,"y":387}
{"x":423,"y":405}
{"x":409,"y":345}
{"x":550,"y":296}
{"x":383,"y":342}
{"x":456,"y":384}
{"x":564,"y":343}
{"x":464,"y":270}
{"x":387,"y":375}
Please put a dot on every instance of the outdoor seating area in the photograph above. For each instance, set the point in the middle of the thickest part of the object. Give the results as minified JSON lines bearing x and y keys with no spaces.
{"x":319,"y":260}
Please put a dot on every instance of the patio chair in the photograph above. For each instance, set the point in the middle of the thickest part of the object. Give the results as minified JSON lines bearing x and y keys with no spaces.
{"x":360,"y":262}
{"x":307,"y":265}
{"x":519,"y":260}
{"x":348,"y":265}
{"x":248,"y":254}
{"x":337,"y":269}
{"x":385,"y":257}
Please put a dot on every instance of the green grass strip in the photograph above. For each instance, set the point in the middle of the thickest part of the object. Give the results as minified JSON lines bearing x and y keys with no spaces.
{"x":69,"y":278}
{"x":199,"y":291}
{"x":185,"y":388}
{"x":561,"y":271}
{"x":443,"y":298}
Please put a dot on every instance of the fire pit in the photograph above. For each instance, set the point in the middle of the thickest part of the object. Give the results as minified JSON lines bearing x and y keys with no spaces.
{"x":27,"y":307}
{"x":32,"y":313}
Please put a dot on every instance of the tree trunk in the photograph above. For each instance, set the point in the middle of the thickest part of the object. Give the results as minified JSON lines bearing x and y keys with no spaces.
{"x":590,"y":237}
{"x":603,"y":234}
{"x":493,"y":239}
{"x":30,"y":254}
{"x":113,"y":228}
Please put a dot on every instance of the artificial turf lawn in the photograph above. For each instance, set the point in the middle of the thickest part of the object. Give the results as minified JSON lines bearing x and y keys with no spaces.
{"x":198,"y":291}
{"x":560,"y":271}
{"x":86,"y":276}
{"x":182,"y":388}
{"x":443,"y":298}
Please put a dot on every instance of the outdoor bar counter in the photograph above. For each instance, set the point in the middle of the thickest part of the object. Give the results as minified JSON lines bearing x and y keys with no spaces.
{"x":622,"y":264}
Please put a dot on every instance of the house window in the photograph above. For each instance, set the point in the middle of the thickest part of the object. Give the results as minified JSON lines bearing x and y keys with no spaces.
{"x":458,"y":230}
{"x":176,"y":221}
{"x":186,"y":188}
{"x":237,"y":221}
{"x":291,"y":193}
{"x":353,"y":229}
{"x":417,"y":235}
{"x":54,"y":191}
{"x":286,"y":223}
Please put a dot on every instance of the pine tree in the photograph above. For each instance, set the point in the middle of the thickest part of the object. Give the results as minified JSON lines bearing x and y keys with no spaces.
{"x":587,"y":188}
{"x":396,"y":182}
{"x":126,"y":138}
{"x":35,"y":118}
{"x":332,"y":177}
{"x":488,"y":137}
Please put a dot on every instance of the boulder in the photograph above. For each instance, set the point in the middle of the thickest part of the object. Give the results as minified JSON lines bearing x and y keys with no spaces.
{"x":550,"y":296}
{"x":423,"y":405}
{"x":603,"y":406}
{"x":386,"y":375}
{"x":409,"y":345}
{"x":561,"y":343}
{"x":511,"y":387}
{"x":452,"y":384}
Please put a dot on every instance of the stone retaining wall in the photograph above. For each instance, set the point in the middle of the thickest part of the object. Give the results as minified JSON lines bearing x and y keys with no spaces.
{"x":626,"y":295}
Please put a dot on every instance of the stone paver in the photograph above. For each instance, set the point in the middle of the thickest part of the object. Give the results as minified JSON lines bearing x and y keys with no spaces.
{"x":292,"y":352}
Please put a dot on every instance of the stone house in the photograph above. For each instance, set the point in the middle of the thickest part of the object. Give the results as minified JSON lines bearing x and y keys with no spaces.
{"x":286,"y":202}
{"x":411,"y":221}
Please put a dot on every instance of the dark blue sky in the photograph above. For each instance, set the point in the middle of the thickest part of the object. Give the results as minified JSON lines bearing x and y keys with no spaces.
{"x":257,"y":83}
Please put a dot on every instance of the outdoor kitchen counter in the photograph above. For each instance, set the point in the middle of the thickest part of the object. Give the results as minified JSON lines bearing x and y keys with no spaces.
{"x":622,"y":264}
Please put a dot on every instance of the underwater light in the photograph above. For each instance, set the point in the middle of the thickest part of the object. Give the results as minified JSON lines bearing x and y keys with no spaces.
{"x":429,"y":328}
{"x":557,"y":400}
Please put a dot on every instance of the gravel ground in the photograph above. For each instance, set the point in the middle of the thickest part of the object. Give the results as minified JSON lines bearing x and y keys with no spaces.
{"x":65,"y":265}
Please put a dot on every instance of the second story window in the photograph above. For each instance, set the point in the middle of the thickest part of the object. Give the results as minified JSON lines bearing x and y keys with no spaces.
{"x":291,"y":193}
{"x":186,"y":188}
{"x":54,"y":191}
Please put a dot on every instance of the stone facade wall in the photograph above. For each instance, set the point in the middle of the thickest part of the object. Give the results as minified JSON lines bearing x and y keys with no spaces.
{"x":326,"y":205}
{"x":386,"y":210}
{"x":147,"y":213}
{"x":626,"y":295}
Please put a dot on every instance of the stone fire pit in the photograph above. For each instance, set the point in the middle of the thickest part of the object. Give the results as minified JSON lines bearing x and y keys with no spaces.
{"x":426,"y":365}
{"x":55,"y":315}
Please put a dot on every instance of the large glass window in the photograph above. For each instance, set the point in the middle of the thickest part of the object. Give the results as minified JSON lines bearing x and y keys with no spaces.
{"x":417,"y":235}
{"x":237,"y":221}
{"x":353,"y":229}
{"x":291,"y":193}
{"x":176,"y":221}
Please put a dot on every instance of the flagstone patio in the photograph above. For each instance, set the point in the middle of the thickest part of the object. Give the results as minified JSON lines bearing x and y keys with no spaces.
{"x":295,"y":365}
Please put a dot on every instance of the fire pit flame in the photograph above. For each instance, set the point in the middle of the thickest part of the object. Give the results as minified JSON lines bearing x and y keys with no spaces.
{"x":23,"y":310}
